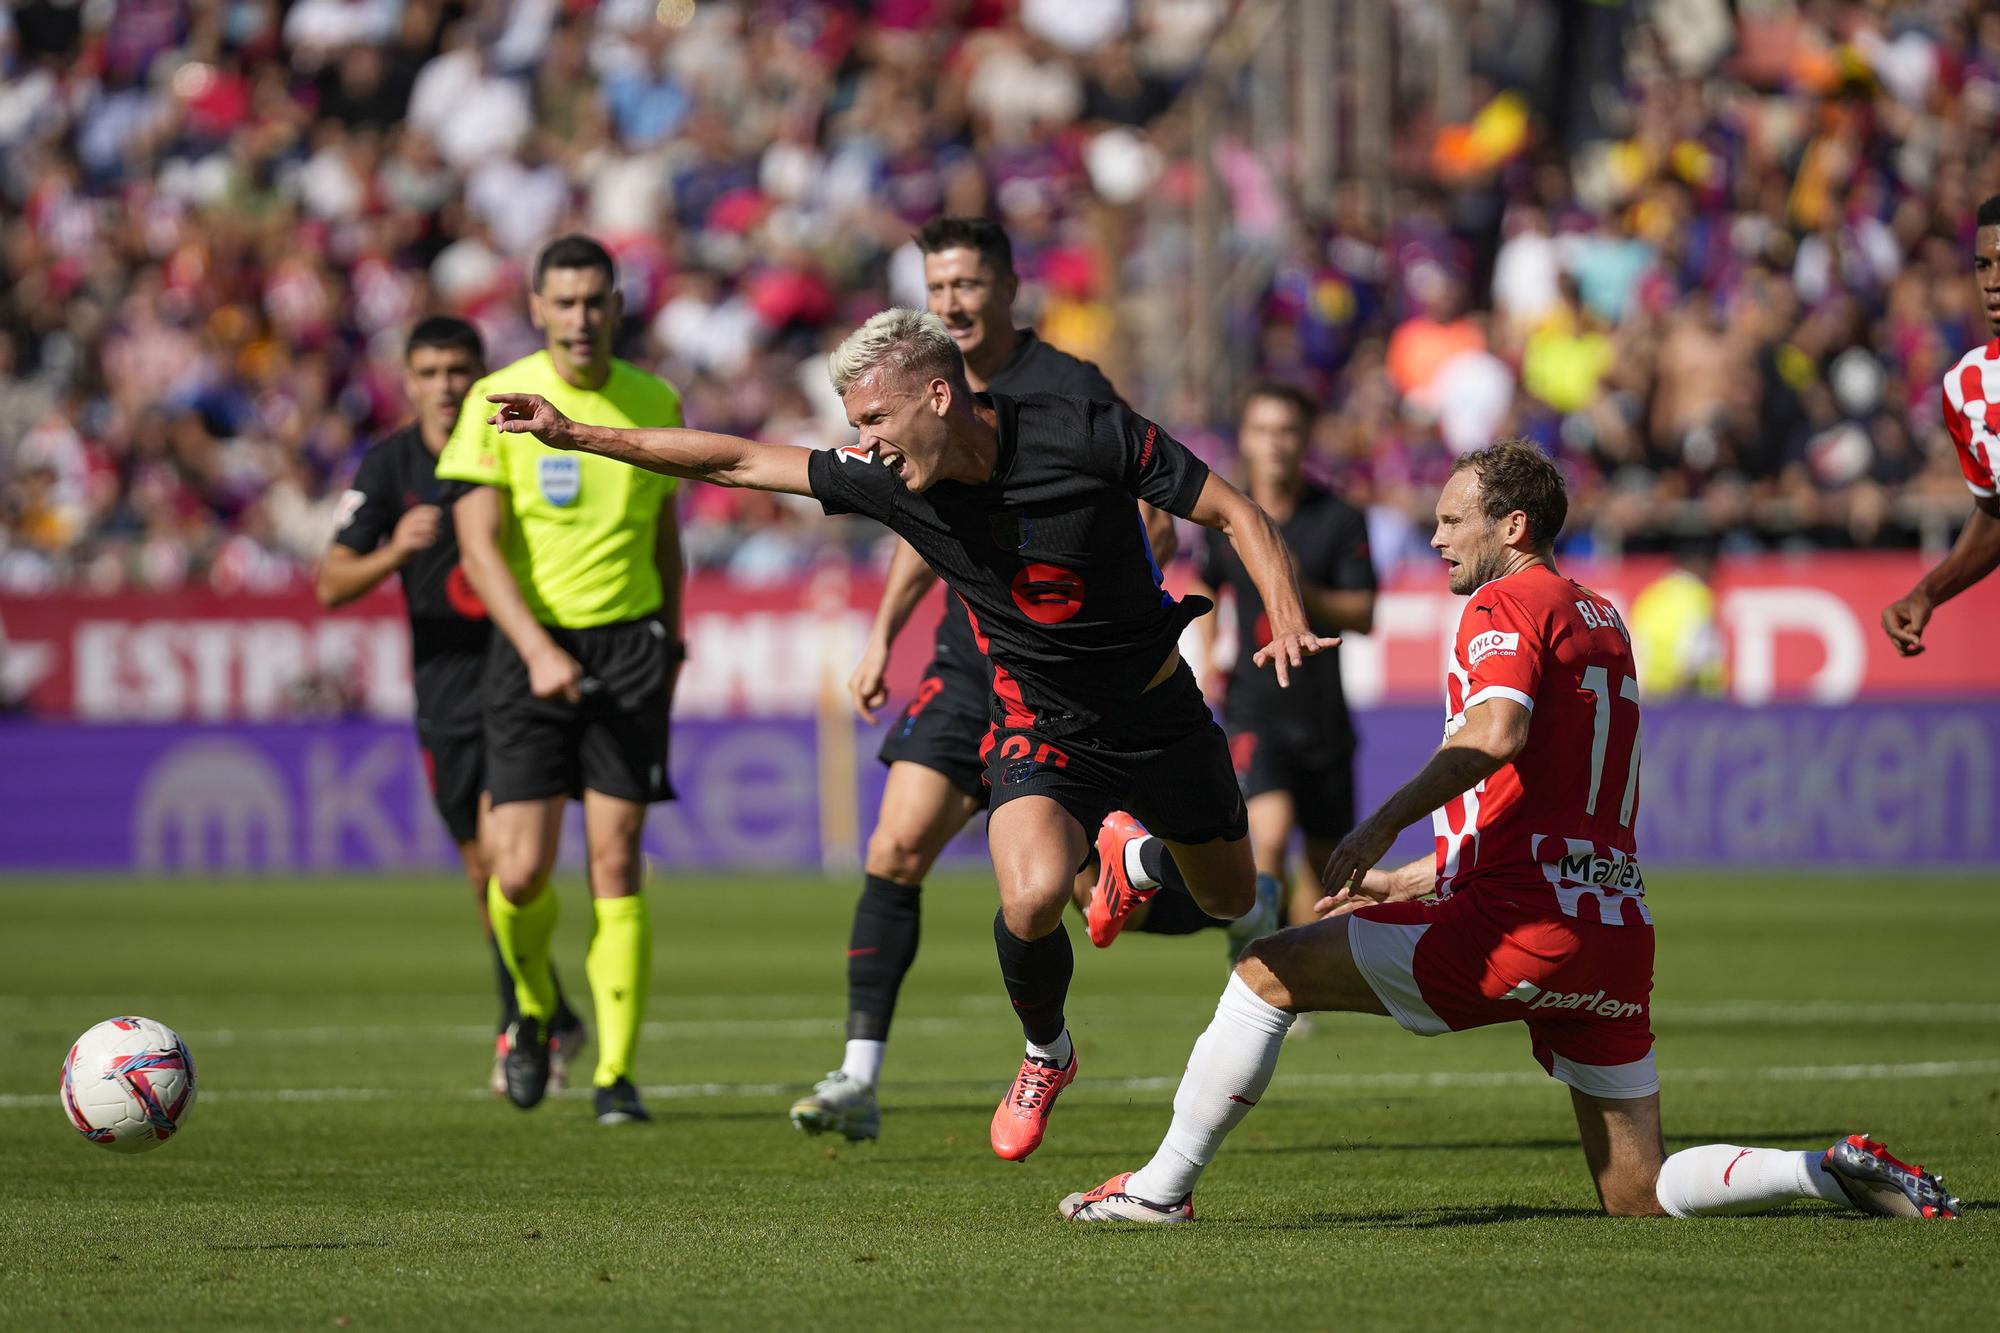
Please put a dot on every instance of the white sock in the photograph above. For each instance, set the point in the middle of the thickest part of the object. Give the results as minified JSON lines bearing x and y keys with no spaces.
{"x":1723,"y":1180}
{"x":864,"y":1061}
{"x":1060,"y":1050}
{"x":1227,"y":1072}
{"x":1135,"y":870}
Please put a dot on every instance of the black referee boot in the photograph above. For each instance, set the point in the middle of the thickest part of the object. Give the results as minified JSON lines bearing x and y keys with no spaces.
{"x":527,"y":1062}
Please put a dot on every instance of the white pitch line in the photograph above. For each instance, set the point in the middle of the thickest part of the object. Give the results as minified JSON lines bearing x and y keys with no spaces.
{"x":1387,"y":1081}
{"x":1733,"y":1013}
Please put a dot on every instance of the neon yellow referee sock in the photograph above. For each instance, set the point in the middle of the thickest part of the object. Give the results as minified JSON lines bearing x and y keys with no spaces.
{"x":620,"y":966}
{"x":526,"y":935}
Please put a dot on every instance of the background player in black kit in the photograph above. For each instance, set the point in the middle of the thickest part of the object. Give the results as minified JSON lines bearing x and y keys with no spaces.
{"x":1294,"y":749}
{"x":1025,"y":507}
{"x":392,"y":521}
{"x":932,"y":749}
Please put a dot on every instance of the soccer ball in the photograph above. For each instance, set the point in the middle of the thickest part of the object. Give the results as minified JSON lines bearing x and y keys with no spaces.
{"x":128,"y":1084}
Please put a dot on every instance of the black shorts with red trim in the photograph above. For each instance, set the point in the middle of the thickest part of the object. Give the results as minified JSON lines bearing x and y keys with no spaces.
{"x":942,"y":725}
{"x":455,"y":763}
{"x":1320,"y":782}
{"x":1165,"y":761}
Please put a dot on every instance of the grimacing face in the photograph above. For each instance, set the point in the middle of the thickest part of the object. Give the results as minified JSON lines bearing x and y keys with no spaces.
{"x":1272,"y":437}
{"x":974,"y":302}
{"x":1474,"y":546}
{"x":577,"y":310}
{"x":900,"y":419}
{"x":436,"y":380}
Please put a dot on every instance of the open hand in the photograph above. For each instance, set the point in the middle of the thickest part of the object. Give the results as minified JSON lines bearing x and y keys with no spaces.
{"x":1286,"y":652}
{"x":532,"y":414}
{"x":1358,"y":852}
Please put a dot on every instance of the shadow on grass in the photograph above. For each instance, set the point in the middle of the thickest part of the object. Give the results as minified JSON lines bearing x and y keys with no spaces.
{"x":1426,"y":1219}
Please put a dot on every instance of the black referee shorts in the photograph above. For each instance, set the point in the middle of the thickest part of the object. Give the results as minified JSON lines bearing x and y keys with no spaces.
{"x":1165,"y":761}
{"x":941,"y":728}
{"x":615,"y":741}
{"x":1320,"y":781}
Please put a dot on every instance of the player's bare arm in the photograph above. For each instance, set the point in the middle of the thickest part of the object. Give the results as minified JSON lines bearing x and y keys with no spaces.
{"x":481,"y":518}
{"x":346,"y":575}
{"x":1495,"y":732}
{"x":1250,"y":530}
{"x":1337,"y":609}
{"x":1160,"y":532}
{"x":908,"y":580}
{"x":694,"y":455}
{"x":1973,"y":556}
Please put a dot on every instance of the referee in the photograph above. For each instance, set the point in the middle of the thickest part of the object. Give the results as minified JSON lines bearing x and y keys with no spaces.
{"x":578,"y":561}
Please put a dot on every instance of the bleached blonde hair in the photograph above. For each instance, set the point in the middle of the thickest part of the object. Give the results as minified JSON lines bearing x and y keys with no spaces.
{"x":910,"y":341}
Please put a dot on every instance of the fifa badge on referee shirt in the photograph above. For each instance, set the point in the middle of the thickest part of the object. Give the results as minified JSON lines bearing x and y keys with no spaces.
{"x":562,"y":478}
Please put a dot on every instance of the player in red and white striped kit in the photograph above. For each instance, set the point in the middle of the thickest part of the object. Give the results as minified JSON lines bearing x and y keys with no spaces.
{"x":1532,"y":909}
{"x":1972,"y":415}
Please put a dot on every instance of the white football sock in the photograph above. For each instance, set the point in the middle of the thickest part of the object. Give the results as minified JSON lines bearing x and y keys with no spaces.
{"x":1135,"y":869}
{"x":1227,"y":1072}
{"x":864,"y":1061}
{"x":1060,"y":1050}
{"x":1723,"y":1180}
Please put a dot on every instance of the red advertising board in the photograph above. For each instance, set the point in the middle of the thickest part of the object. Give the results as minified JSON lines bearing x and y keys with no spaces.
{"x":1793,"y":629}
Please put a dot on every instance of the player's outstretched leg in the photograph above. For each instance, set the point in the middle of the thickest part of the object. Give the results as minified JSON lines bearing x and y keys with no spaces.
{"x":1723,"y":1180}
{"x":1036,"y":846}
{"x":1133,"y":866}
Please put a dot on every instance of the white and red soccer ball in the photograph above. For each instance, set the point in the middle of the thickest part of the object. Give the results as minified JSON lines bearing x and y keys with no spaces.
{"x":128,"y":1084}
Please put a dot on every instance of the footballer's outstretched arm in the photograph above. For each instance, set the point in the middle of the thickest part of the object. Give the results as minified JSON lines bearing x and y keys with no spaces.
{"x":697,"y":455}
{"x":1973,"y":556}
{"x":1249,"y":529}
{"x":1493,"y":734}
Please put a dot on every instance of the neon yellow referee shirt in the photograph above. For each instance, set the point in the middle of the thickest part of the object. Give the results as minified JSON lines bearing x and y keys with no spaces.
{"x":581,"y":545}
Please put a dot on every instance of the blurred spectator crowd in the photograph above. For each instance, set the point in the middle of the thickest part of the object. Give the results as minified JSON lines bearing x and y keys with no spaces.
{"x":1722,"y":289}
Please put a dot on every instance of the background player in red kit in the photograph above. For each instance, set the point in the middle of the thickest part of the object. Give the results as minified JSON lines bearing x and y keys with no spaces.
{"x":1972,"y":414}
{"x":1532,"y":908}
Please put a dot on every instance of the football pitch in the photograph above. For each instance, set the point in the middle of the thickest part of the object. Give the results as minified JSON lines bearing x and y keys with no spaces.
{"x":344,"y":1166}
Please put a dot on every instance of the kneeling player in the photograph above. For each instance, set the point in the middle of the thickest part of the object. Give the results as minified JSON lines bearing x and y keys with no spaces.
{"x":1534,"y":910}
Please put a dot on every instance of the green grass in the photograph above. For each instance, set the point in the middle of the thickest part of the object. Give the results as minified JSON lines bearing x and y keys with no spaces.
{"x":397,"y":1196}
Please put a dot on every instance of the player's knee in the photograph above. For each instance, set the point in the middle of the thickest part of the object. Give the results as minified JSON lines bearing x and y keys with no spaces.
{"x":519,"y":878}
{"x":1262,"y":969}
{"x":898,"y":854}
{"x":1034,"y":911}
{"x":613,"y":867}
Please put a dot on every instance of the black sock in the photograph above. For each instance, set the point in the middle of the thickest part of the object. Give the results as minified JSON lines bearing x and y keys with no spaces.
{"x":880,"y":950}
{"x":1158,"y":863}
{"x":1037,"y":974}
{"x":509,"y":1009}
{"x":1173,"y":912}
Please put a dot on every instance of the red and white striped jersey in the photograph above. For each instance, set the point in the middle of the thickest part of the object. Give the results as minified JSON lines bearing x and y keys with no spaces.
{"x":1559,"y":818}
{"x":1972,"y":415}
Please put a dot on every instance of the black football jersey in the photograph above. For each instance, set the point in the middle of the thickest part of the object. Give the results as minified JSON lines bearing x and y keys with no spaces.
{"x":1049,"y":556}
{"x":449,"y":630}
{"x":1035,"y":367}
{"x":1328,"y":539}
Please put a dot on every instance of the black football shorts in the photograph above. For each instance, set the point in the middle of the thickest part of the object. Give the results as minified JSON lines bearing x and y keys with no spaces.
{"x":614,"y":741}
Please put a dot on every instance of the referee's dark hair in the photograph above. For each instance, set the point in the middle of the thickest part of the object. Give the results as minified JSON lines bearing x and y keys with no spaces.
{"x":981,"y":234}
{"x":575,"y":251}
{"x":1289,"y":394}
{"x":1514,"y":474}
{"x":445,"y":331}
{"x":1989,"y":212}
